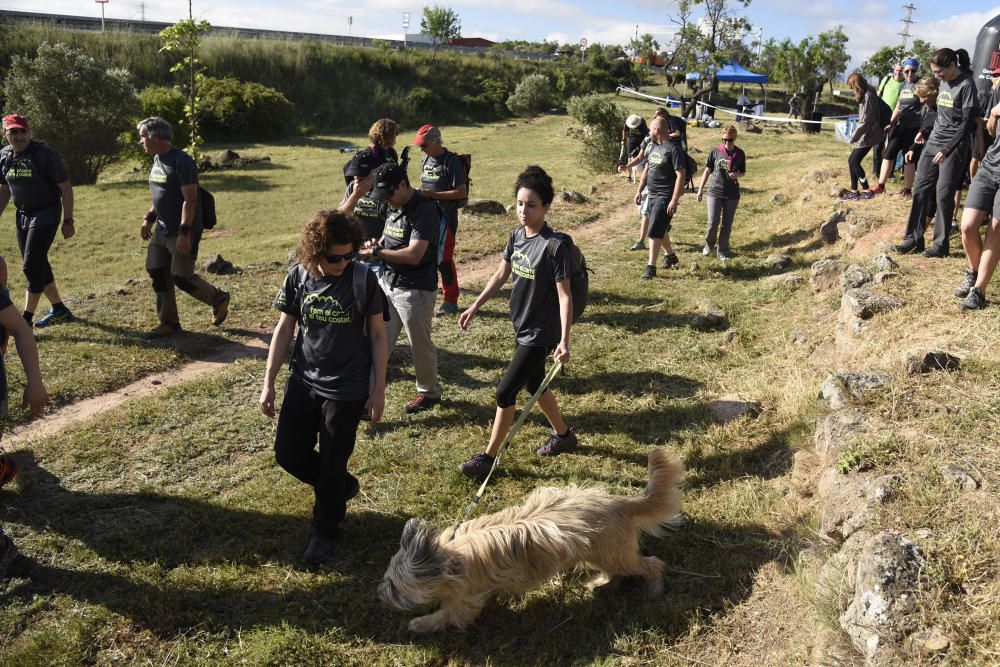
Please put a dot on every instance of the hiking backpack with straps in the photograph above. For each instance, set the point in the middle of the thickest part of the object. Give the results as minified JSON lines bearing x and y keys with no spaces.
{"x":579,"y":278}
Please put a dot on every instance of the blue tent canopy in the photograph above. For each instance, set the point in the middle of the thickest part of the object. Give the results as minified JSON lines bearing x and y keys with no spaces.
{"x":733,"y":72}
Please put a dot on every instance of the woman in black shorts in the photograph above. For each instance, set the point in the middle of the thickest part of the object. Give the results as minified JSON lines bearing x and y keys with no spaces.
{"x":902,"y":129}
{"x":541,"y":309}
{"x":983,"y":200}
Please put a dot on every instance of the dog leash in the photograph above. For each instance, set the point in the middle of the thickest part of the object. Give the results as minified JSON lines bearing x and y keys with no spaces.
{"x":556,"y":367}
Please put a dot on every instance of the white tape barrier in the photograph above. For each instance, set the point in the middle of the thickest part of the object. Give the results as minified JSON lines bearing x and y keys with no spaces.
{"x":831,"y":120}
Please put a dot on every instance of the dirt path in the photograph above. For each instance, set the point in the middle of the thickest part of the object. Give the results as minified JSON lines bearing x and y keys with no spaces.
{"x":475,"y":272}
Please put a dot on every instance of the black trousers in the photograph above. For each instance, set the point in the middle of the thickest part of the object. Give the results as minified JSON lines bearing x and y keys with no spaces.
{"x":934,"y":187}
{"x":854,"y":162}
{"x":527,"y":369}
{"x":877,"y":151}
{"x":304,"y":417}
{"x":34,"y":243}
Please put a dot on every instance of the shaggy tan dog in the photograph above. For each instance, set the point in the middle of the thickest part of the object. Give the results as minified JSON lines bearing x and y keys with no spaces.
{"x":517,"y":549}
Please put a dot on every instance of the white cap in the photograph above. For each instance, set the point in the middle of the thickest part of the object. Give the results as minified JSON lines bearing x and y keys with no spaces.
{"x":633,"y":121}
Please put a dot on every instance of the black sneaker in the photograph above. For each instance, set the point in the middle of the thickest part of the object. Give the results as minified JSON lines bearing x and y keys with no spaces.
{"x":650,"y":272}
{"x":220,"y":311}
{"x":936,"y":252}
{"x":446,"y":309}
{"x":421,"y":403}
{"x":558,"y":444}
{"x":968,"y":282}
{"x":55,"y":317}
{"x":976,"y":300}
{"x":670,"y":260}
{"x":352,"y":488}
{"x":907,"y":247}
{"x":8,"y":552}
{"x":478,"y":467}
{"x":319,"y":550}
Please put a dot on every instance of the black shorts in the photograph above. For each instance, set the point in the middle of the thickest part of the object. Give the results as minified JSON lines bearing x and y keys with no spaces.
{"x":527,"y":369}
{"x":984,"y":194}
{"x":659,"y":219}
{"x":900,"y":139}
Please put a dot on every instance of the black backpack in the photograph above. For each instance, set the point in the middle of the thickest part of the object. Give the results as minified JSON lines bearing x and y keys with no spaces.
{"x":579,"y":280}
{"x":884,"y":112}
{"x":206,"y":202}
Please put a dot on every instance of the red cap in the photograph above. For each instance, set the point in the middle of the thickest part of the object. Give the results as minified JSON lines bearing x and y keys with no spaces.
{"x":15,"y":120}
{"x":426,"y":133}
{"x":996,"y":71}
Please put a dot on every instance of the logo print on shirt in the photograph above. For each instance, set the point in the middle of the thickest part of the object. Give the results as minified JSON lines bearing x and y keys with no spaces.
{"x":944,"y":100}
{"x":157,"y":174}
{"x":520,"y":264}
{"x":323,"y":309}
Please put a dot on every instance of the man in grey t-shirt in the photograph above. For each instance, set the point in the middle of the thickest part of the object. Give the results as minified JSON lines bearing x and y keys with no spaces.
{"x":173,"y":228}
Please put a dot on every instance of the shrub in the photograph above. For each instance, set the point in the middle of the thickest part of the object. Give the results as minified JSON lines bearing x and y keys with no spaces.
{"x":234,"y":109}
{"x":602,"y":121}
{"x":532,"y":96}
{"x":83,"y":109}
{"x":422,"y":103}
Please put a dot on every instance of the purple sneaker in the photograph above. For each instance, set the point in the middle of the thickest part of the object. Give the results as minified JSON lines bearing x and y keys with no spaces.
{"x":849,"y":196}
{"x":478,"y":467}
{"x":558,"y":444}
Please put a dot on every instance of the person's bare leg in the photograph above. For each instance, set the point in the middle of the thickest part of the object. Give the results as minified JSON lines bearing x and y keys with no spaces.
{"x":667,"y":248}
{"x":909,"y":171}
{"x":654,"y":250}
{"x":991,"y":255}
{"x":31,"y":300}
{"x":971,"y":241}
{"x":643,"y":228}
{"x":883,"y":174}
{"x":547,"y":402}
{"x":501,"y":427}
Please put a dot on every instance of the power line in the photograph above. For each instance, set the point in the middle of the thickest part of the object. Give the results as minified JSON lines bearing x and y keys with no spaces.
{"x":907,"y":21}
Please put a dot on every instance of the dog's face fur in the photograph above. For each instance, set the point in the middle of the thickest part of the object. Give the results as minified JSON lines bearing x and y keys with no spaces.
{"x":408,"y":584}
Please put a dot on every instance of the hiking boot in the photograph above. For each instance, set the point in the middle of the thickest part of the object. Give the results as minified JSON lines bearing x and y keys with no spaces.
{"x":421,"y":403}
{"x":55,"y":317}
{"x":319,"y":550}
{"x":670,"y":260}
{"x":974,"y":301}
{"x":849,"y":196}
{"x":936,"y":252}
{"x":220,"y":311}
{"x":8,"y":469}
{"x":650,"y":272}
{"x":446,"y":309}
{"x":163,"y":331}
{"x":557,"y":444}
{"x":478,"y":467}
{"x":866,"y":194}
{"x":638,"y":245}
{"x":907,"y":247}
{"x":8,"y":552}
{"x":968,"y":282}
{"x":706,"y":251}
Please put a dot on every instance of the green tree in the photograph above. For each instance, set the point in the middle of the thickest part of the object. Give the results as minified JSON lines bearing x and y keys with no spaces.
{"x":645,"y":47}
{"x":809,"y":65}
{"x":441,"y":24}
{"x":602,"y":122}
{"x":82,"y":108}
{"x":183,"y":40}
{"x":922,"y":51}
{"x":532,"y":96}
{"x":880,"y":63}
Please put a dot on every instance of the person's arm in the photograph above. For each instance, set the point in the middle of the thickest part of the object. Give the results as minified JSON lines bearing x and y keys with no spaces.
{"x":280,"y":340}
{"x":380,"y":362}
{"x":188,"y":208}
{"x":678,"y":190}
{"x":68,"y":227}
{"x":991,"y":122}
{"x":4,"y":197}
{"x":704,"y":179}
{"x":458,"y":192}
{"x":35,"y":396}
{"x":642,"y":184}
{"x":965,"y":126}
{"x":410,"y":255}
{"x":493,"y":285}
{"x":565,"y":320}
{"x":353,"y":194}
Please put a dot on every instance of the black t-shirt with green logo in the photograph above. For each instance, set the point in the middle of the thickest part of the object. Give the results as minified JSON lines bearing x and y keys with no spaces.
{"x":332,"y":354}
{"x":417,"y":221}
{"x":169,"y":172}
{"x":664,"y":160}
{"x":534,"y":301}
{"x":32,"y":176}
{"x":909,"y":106}
{"x":720,"y":163}
{"x":444,"y":172}
{"x":957,"y":106}
{"x":371,"y":213}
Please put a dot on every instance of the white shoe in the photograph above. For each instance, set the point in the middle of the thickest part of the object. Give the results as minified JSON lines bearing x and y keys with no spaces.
{"x":706,"y":251}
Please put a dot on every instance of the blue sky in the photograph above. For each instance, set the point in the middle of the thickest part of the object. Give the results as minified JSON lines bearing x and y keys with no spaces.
{"x":869,"y":24}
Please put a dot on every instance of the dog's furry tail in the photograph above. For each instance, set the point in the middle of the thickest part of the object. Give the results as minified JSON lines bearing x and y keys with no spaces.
{"x":654,"y":511}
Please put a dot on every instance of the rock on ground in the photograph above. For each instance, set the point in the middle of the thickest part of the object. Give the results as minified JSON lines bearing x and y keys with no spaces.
{"x":829,"y":230}
{"x":729,"y":408}
{"x":882,"y":277}
{"x":825,"y":274}
{"x":958,"y":478}
{"x":779,"y":262}
{"x":843,"y":389}
{"x":847,"y":500}
{"x":836,"y":431}
{"x":854,"y":276}
{"x":932,"y":360}
{"x":786,"y":279}
{"x":865,"y":303}
{"x":485,"y":206}
{"x":218,"y":265}
{"x":573,"y":197}
{"x":710,"y":316}
{"x":885,"y":263}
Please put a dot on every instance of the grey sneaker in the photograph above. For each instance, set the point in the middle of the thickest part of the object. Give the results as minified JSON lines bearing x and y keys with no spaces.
{"x":975,"y":301}
{"x":319,"y":550}
{"x":558,"y":444}
{"x":638,"y":245}
{"x":446,"y":309}
{"x":706,"y":251}
{"x":478,"y":467}
{"x":968,"y":282}
{"x":650,"y":272}
{"x":670,"y":260}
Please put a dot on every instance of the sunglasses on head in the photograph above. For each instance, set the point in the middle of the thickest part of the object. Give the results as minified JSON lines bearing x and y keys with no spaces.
{"x":334,"y":259}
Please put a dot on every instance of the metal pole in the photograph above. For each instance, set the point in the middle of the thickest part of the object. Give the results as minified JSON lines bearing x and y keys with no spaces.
{"x":102,"y":16}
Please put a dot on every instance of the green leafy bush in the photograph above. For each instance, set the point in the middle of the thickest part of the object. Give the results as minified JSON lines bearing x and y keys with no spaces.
{"x":602,"y":122}
{"x":167,"y":103}
{"x":82,"y":108}
{"x":532,"y":96}
{"x":235,"y":109}
{"x":423,"y":103}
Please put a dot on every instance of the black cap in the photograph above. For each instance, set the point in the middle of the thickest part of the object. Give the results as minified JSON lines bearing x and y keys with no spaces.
{"x":387,"y":177}
{"x":361,"y":164}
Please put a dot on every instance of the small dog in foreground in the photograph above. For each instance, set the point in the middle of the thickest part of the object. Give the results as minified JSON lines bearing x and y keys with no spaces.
{"x":517,"y":549}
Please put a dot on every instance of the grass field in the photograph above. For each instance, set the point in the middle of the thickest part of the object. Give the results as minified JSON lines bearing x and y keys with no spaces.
{"x":162,"y":532}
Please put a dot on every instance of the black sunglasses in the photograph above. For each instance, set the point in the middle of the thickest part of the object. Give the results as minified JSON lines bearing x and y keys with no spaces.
{"x":728,"y":139}
{"x":909,"y":71}
{"x":334,"y":259}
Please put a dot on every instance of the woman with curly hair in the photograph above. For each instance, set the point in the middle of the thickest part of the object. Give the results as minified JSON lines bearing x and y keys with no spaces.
{"x":868,"y":134}
{"x":337,"y":368}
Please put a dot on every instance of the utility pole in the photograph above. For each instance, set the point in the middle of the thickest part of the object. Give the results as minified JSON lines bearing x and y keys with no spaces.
{"x":142,"y":12}
{"x":907,"y":21}
{"x":102,"y":3}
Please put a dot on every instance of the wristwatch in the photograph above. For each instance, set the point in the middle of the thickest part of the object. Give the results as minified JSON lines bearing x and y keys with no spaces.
{"x":68,"y":221}
{"x":376,"y":250}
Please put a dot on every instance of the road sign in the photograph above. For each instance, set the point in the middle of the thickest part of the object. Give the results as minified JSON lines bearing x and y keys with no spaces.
{"x":406,"y":19}
{"x":583,"y":41}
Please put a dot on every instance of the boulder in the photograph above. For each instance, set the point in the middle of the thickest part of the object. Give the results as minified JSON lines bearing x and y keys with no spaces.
{"x":847,"y":501}
{"x":865,"y":304}
{"x":778,"y":262}
{"x":843,"y":389}
{"x":958,"y":478}
{"x":853,"y":276}
{"x":779,"y":198}
{"x":784,"y":279}
{"x":836,"y":431}
{"x":880,"y":612}
{"x":931,"y":360}
{"x":710,"y":316}
{"x":218,"y":265}
{"x":593,"y":189}
{"x":882,"y":277}
{"x":485,"y":206}
{"x":225,"y":157}
{"x":573,"y":197}
{"x":729,"y":408}
{"x":884,"y":263}
{"x":837,"y":191}
{"x":825,"y":274}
